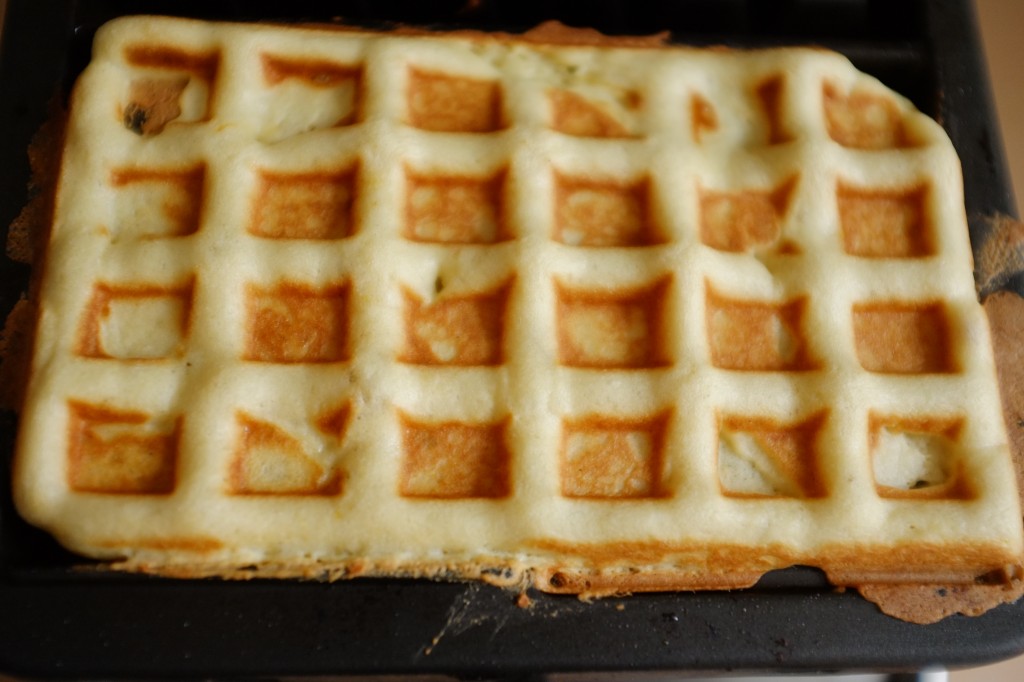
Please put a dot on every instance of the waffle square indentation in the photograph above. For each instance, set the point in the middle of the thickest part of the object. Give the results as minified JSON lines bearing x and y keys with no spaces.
{"x":450,"y":460}
{"x":135,"y":322}
{"x":760,"y":457}
{"x":862,"y":120}
{"x":610,"y":458}
{"x":117,"y":451}
{"x":915,"y":457}
{"x":293,"y":322}
{"x":738,"y":221}
{"x":601,"y":212}
{"x":455,"y":209}
{"x":268,"y":460}
{"x":441,"y":102}
{"x":770,"y":93}
{"x":579,"y":116}
{"x":157,"y":202}
{"x":703,"y":117}
{"x":750,"y":335}
{"x":903,"y":338}
{"x":608,"y":329}
{"x":314,"y":205}
{"x":177,"y":87}
{"x":455,"y":330}
{"x":882,"y":223}
{"x":308,"y":94}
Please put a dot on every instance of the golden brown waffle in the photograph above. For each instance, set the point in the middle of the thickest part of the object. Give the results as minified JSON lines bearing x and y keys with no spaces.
{"x":606,"y":318}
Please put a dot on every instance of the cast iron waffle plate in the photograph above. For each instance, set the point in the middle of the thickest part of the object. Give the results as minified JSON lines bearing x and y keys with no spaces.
{"x":63,"y":617}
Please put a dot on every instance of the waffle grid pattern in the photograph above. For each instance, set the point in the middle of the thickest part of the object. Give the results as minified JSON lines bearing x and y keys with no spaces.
{"x":383,"y":324}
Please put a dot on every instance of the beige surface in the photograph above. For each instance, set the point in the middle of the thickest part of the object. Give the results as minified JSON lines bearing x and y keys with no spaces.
{"x":1001,"y":21}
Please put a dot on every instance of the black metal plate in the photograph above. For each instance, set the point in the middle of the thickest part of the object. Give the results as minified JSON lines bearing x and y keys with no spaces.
{"x":62,"y":617}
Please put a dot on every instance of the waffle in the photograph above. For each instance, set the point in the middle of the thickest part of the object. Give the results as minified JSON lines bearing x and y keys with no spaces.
{"x":598,"y":318}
